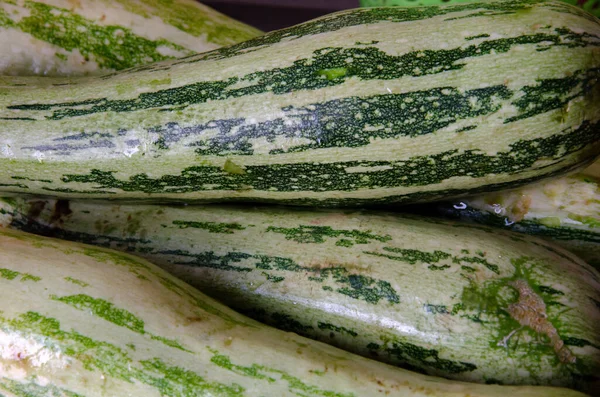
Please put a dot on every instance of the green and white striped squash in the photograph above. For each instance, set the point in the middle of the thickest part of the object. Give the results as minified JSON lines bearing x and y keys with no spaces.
{"x":373,"y":105}
{"x":90,"y":37}
{"x":433,"y":296}
{"x":565,"y":210}
{"x":81,"y":321}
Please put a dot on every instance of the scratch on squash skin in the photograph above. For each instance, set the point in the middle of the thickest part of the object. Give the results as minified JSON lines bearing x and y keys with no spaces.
{"x":530,"y":311}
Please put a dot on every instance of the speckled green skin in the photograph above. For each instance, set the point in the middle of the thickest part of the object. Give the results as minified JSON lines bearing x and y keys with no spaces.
{"x":91,"y":37}
{"x":331,"y":112}
{"x":591,"y":6}
{"x":423,"y":294}
{"x":145,"y":333}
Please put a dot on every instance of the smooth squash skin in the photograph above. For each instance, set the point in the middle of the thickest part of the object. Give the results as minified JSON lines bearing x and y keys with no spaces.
{"x":92,"y":37}
{"x":437,"y":297}
{"x":83,"y":321}
{"x":366,"y":106}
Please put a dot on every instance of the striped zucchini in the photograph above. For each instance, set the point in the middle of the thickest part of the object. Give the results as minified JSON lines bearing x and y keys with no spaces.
{"x":336,"y":111}
{"x":591,"y":6}
{"x":565,"y":210}
{"x":435,"y":297}
{"x":86,"y":37}
{"x":80,"y":321}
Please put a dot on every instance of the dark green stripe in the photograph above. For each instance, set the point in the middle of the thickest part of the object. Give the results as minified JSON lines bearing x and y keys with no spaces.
{"x":425,"y":359}
{"x":524,"y":226}
{"x":368,"y":16}
{"x":105,"y":310}
{"x":212,"y":227}
{"x":372,"y":202}
{"x":321,"y":177}
{"x":308,"y":234}
{"x":308,"y":74}
{"x":342,"y":122}
{"x":412,"y":256}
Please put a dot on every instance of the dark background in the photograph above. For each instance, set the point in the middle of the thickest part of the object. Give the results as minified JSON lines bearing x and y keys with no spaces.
{"x":277,"y":14}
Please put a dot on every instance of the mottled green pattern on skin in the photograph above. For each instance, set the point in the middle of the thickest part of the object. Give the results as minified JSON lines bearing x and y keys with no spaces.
{"x":75,"y":281}
{"x":494,"y":297}
{"x":9,"y":274}
{"x":135,"y":264}
{"x":33,"y":389}
{"x":104,"y":309}
{"x":177,"y":381}
{"x":413,"y":257}
{"x":212,"y":227}
{"x":569,"y":237}
{"x":308,"y":234}
{"x":329,"y":124}
{"x":107,"y":311}
{"x":421,"y":358}
{"x":24,"y":178}
{"x":304,"y":74}
{"x":29,"y":277}
{"x":335,"y":123}
{"x":296,"y":385}
{"x":336,"y":328}
{"x":280,"y":177}
{"x":191,"y":19}
{"x":356,"y":17}
{"x":112,"y":47}
{"x":113,"y":361}
{"x":19,"y":185}
{"x":440,"y":311}
{"x":355,"y":286}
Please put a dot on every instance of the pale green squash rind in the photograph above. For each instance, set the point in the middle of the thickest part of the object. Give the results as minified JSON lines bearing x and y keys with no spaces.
{"x":299,"y":116}
{"x":100,"y":356}
{"x":352,"y":278}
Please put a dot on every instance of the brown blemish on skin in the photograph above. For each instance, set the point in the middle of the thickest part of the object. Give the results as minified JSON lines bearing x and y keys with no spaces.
{"x":530,"y":311}
{"x":61,"y":209}
{"x":521,"y":208}
{"x":35,"y":209}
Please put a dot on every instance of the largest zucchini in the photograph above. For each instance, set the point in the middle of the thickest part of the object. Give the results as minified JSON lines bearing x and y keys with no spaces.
{"x":433,"y":296}
{"x":368,"y":105}
{"x":80,"y":321}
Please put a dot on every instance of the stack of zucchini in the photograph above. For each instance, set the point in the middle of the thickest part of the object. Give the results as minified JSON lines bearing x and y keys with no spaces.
{"x":272,"y":175}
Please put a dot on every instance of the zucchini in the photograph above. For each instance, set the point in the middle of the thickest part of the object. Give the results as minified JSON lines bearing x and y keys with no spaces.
{"x":90,"y":37}
{"x":565,"y":210}
{"x":424,"y":294}
{"x":591,"y":6}
{"x":336,"y":111}
{"x":145,"y":333}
